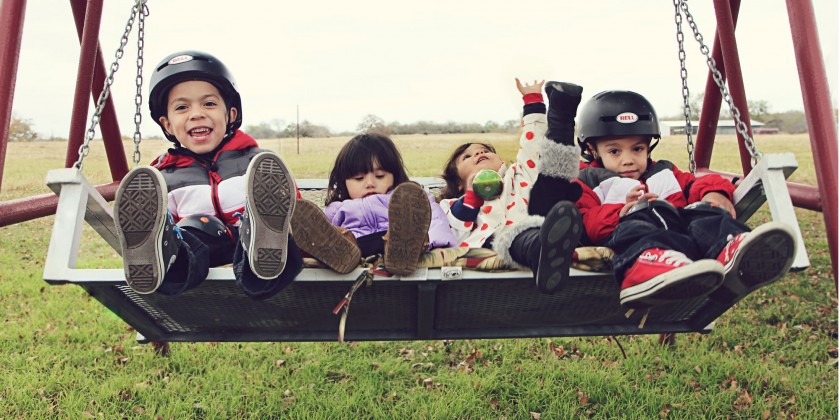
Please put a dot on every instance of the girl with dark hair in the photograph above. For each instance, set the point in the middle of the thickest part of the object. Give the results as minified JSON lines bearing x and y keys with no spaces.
{"x":371,"y":208}
{"x":534,"y":223}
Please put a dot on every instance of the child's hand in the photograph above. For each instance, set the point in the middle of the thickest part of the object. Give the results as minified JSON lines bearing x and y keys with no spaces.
{"x":535,"y":87}
{"x":719,"y":200}
{"x":638,"y":194}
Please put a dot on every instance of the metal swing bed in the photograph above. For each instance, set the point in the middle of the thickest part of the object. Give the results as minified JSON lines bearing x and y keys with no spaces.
{"x":431,"y":304}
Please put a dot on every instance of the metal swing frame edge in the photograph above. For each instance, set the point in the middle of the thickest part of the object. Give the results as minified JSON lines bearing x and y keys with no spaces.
{"x":432,"y":303}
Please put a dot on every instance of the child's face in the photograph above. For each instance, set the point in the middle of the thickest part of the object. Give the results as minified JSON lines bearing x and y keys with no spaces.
{"x":196,"y":115}
{"x":378,"y":181}
{"x":626,"y":156}
{"x":473,"y":159}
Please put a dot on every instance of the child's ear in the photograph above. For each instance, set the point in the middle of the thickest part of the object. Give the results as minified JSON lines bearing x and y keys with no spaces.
{"x":232,"y":114}
{"x":594,"y":151}
{"x":166,"y":125}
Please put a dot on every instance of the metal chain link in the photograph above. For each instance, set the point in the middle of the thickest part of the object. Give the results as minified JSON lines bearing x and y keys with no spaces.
{"x":138,"y":97}
{"x":84,"y":149}
{"x":740,"y":126}
{"x":692,"y":164}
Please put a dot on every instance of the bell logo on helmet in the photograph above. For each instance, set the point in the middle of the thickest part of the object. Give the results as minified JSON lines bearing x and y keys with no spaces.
{"x":181,"y":59}
{"x":627,"y":118}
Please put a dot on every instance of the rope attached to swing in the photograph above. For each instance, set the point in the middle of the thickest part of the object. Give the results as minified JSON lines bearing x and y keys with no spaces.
{"x":372,"y":264}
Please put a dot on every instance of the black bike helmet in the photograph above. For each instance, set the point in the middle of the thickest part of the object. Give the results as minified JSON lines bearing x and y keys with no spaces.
{"x":192,"y":65}
{"x":616,"y":113}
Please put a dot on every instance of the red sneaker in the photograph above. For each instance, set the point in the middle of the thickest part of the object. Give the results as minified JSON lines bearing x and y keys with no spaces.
{"x":662,"y":275}
{"x":755,"y":259}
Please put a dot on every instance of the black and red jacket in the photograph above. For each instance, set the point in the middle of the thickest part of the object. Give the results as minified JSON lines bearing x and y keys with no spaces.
{"x":605,"y":192}
{"x":213,"y":187}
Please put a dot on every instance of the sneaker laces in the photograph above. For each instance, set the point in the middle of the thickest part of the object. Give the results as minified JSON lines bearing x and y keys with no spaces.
{"x":732,"y":244}
{"x":175,"y":228}
{"x":238,"y":215}
{"x":671,"y":258}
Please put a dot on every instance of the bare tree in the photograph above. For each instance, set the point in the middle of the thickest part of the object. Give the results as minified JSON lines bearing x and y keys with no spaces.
{"x":372,"y":123}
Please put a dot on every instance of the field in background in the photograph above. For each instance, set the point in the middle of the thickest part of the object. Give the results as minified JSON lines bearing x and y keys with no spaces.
{"x":28,"y":163}
{"x":63,"y":355}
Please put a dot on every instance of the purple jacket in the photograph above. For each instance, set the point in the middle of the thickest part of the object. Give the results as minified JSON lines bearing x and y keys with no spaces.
{"x":368,"y":215}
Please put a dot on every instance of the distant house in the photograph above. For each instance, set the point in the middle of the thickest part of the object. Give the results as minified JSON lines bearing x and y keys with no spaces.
{"x":724,"y":127}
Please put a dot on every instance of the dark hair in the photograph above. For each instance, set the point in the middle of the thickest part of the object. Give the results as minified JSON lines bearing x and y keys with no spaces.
{"x":450,"y":171}
{"x":357,"y":156}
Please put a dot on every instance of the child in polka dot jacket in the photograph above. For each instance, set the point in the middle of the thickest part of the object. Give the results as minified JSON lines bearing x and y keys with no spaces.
{"x":527,"y":230}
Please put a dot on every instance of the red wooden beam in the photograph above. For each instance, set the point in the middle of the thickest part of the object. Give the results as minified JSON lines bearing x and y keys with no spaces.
{"x":11,"y":30}
{"x":818,"y":111}
{"x":710,"y":111}
{"x":735,"y":81}
{"x":108,"y":126}
{"x":29,"y":208}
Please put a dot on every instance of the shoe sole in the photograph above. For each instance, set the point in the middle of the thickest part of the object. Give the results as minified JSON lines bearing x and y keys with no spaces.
{"x":139,"y":216}
{"x":316,"y":235}
{"x":271,"y":201}
{"x":763,"y":258}
{"x":559,"y":237}
{"x":409,"y":217}
{"x":691,"y":281}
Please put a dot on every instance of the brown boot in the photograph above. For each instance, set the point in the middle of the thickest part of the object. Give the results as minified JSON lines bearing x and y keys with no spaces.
{"x":319,"y":238}
{"x":409,"y":217}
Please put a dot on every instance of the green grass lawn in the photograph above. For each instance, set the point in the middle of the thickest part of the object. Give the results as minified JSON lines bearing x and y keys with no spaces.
{"x":63,"y":355}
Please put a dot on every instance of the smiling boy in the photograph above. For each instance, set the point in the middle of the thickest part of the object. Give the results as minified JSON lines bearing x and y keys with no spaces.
{"x":212,"y":199}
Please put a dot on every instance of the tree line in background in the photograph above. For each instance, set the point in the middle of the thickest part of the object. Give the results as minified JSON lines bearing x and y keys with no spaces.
{"x":792,"y":122}
{"x":370,"y":122}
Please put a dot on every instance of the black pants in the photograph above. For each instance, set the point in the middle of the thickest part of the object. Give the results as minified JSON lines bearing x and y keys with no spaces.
{"x":199,"y":249}
{"x":371,"y":244}
{"x":699,"y":233}
{"x":525,"y":248}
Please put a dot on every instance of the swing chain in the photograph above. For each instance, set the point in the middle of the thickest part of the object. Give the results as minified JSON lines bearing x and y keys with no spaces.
{"x":138,"y":97}
{"x":692,"y":164}
{"x":740,"y":126}
{"x":84,"y":149}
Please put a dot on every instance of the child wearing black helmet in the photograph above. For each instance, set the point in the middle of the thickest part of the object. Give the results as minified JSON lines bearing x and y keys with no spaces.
{"x":674,"y":234}
{"x":212,"y":199}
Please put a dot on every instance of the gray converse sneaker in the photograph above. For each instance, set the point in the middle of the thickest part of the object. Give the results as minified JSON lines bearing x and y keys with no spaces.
{"x":269,"y":203}
{"x":409,"y":217}
{"x":147,"y":233}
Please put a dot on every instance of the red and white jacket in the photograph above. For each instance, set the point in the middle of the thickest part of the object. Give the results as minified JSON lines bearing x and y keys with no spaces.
{"x":511,"y":207}
{"x":605,"y":192}
{"x":216,"y":188}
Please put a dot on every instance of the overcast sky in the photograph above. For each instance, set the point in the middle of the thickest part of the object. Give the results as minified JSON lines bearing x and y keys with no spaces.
{"x":409,"y":61}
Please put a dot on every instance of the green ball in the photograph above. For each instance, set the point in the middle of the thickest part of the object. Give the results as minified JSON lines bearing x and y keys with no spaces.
{"x":487,"y":184}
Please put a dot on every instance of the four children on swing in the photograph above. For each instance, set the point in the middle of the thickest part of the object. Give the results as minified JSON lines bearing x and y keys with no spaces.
{"x":216,"y":198}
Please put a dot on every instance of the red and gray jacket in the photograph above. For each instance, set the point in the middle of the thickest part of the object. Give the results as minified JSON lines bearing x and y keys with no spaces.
{"x":605,"y":192}
{"x":211,"y":188}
